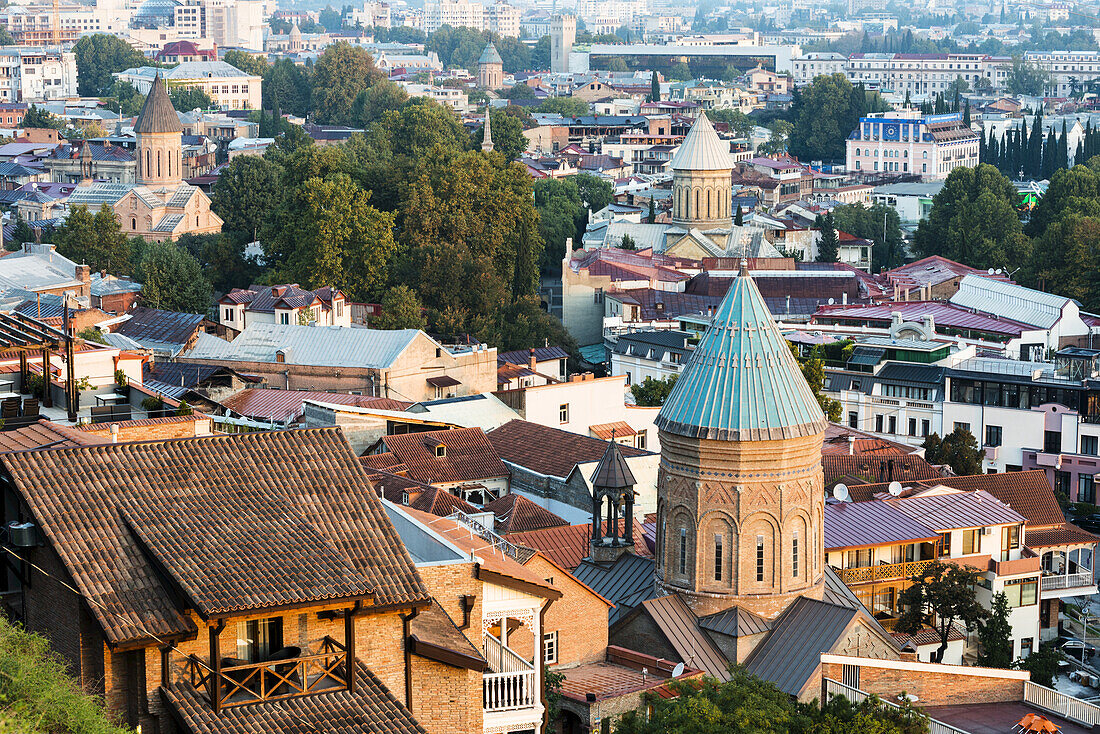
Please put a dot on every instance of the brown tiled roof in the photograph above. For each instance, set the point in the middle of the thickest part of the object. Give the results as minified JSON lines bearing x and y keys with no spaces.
{"x":384,"y":461}
{"x":157,"y":114}
{"x":836,"y":442}
{"x":94,"y":428}
{"x":616,"y":429}
{"x":1027,"y":492}
{"x":440,"y":502}
{"x":874,"y":467}
{"x":469,"y":455}
{"x":287,"y":405}
{"x":42,"y":434}
{"x":568,"y":545}
{"x":1066,"y":534}
{"x":515,"y":514}
{"x":372,"y":709}
{"x":86,"y":499}
{"x":929,"y":636}
{"x":546,"y":450}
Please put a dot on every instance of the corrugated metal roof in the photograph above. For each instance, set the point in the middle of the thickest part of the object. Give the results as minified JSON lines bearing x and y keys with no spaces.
{"x":702,"y":149}
{"x":680,"y":627}
{"x":741,"y":382}
{"x":288,"y":405}
{"x":1010,"y":301}
{"x":863,"y":524}
{"x":790,"y":654}
{"x":154,"y":325}
{"x":944,"y":315}
{"x":917,"y":374}
{"x":626,"y":583}
{"x":957,"y":510}
{"x":319,"y":346}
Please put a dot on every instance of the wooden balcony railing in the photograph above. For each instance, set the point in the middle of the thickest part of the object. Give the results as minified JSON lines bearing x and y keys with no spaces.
{"x":882,"y":572}
{"x":239,"y":685}
{"x":509,"y":691}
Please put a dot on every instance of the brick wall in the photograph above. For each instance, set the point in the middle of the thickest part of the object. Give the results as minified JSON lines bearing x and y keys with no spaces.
{"x":183,"y":427}
{"x":447,"y":584}
{"x":579,"y":616}
{"x":933,"y":685}
{"x":446,"y":698}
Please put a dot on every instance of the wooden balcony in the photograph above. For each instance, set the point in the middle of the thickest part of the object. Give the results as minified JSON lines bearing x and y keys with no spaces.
{"x":882,"y":572}
{"x":240,"y":685}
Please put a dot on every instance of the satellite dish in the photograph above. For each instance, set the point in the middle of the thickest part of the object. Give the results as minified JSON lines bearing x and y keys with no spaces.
{"x":832,"y":301}
{"x":999,"y":271}
{"x":960,"y":344}
{"x":678,"y":670}
{"x":840,"y":492}
{"x":895,"y":489}
{"x":990,"y":271}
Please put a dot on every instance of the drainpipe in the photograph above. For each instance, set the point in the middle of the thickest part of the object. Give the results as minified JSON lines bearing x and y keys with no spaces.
{"x":405,"y":620}
{"x":542,"y":665}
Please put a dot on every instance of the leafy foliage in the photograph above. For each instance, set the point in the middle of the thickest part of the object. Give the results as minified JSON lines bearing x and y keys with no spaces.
{"x":37,"y":117}
{"x":95,"y":239}
{"x":945,"y":590}
{"x":172,"y":279}
{"x":867,"y":222}
{"x":651,"y":392}
{"x":100,"y":55}
{"x":126,"y":96}
{"x":995,"y":635}
{"x":566,"y":106}
{"x":185,"y":99}
{"x":245,"y":195}
{"x":246,"y":62}
{"x":91,"y":334}
{"x":1042,"y":663}
{"x":340,"y":74}
{"x":508,"y":137}
{"x":959,"y":449}
{"x":401,"y":309}
{"x":824,"y":113}
{"x":37,"y":695}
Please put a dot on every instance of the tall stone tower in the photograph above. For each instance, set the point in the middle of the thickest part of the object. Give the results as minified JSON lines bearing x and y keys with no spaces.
{"x":295,"y":42}
{"x":563,"y":34}
{"x":701,"y":179}
{"x":740,"y":495}
{"x":490,"y":68}
{"x":159,"y":139}
{"x":487,"y":136}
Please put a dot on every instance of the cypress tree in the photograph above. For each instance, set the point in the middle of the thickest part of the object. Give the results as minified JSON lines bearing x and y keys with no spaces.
{"x":1079,"y":154}
{"x":966,"y":114}
{"x":1063,"y":148}
{"x":1035,"y":157}
{"x":1050,"y":156}
{"x":276,"y":116}
{"x":739,"y":217}
{"x":983,"y":152}
{"x":652,"y":218}
{"x":654,"y":88}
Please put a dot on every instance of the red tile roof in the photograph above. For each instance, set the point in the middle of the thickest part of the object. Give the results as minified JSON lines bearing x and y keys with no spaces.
{"x":1066,"y":534}
{"x":469,"y":455}
{"x":568,"y":545}
{"x":873,"y":467}
{"x":45,"y":434}
{"x":515,"y":514}
{"x":287,"y":405}
{"x":549,"y":451}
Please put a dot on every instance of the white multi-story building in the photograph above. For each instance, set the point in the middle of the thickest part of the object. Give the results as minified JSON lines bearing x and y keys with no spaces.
{"x":818,"y":63}
{"x":455,"y":99}
{"x":372,"y":14}
{"x":906,"y":142}
{"x":228,"y":87}
{"x":227,"y":23}
{"x":1070,"y":71}
{"x":36,"y":75}
{"x":623,"y":11}
{"x":500,"y":17}
{"x":924,"y":75}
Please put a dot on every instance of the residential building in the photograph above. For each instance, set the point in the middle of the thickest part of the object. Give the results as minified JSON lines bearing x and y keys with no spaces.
{"x":403,"y":364}
{"x":283,"y":304}
{"x":907,"y":142}
{"x":36,"y":74}
{"x":926,"y":75}
{"x":658,"y":355}
{"x":1071,"y":72}
{"x":227,"y":86}
{"x":499,"y":17}
{"x":809,"y":66}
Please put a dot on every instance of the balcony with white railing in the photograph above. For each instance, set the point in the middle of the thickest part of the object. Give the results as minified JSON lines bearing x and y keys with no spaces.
{"x":1056,"y":585}
{"x":510,"y":686}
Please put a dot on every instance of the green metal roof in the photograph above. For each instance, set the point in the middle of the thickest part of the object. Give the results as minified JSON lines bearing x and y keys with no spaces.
{"x":741,"y":383}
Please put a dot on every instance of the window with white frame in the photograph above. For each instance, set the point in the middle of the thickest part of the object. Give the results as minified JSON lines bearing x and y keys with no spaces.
{"x":550,"y":648}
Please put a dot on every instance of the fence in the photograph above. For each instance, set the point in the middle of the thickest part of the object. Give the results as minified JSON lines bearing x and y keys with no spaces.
{"x":855,"y":695}
{"x":1062,"y":704}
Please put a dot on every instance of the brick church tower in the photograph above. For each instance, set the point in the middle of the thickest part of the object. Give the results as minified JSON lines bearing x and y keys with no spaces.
{"x":740,"y":496}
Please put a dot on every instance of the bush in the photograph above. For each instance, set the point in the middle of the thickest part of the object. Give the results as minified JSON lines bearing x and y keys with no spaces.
{"x":120,"y":378}
{"x":153,"y":403}
{"x":184,"y":409}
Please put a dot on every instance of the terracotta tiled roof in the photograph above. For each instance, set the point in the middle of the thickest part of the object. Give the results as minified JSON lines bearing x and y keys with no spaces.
{"x":929,"y":636}
{"x":469,"y":456}
{"x":1066,"y":534}
{"x":546,"y":450}
{"x":618,"y":429}
{"x":837,"y":442}
{"x":1027,"y":492}
{"x":515,"y":513}
{"x":384,"y":461}
{"x":434,"y":628}
{"x":875,"y":467}
{"x":372,"y":709}
{"x":93,"y":502}
{"x":568,"y":545}
{"x":287,"y":405}
{"x":440,"y":502}
{"x":42,"y":434}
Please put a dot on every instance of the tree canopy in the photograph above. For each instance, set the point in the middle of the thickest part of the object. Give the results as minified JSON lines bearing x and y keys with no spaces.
{"x":824,"y":113}
{"x":100,"y":55}
{"x":651,"y":392}
{"x":185,"y":99}
{"x":958,"y":449}
{"x":945,"y":590}
{"x":340,"y":74}
{"x":171,"y":279}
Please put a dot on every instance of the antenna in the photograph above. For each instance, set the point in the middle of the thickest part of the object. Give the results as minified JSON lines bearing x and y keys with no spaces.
{"x":840,"y":492}
{"x":895,"y":489}
{"x":678,"y":670}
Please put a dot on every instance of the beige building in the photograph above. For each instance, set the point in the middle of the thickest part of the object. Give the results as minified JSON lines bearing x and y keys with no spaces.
{"x":160,"y":206}
{"x":490,"y":68}
{"x":228,"y":87}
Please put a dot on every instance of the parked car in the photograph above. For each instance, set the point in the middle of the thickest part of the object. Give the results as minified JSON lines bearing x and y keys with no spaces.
{"x":1072,"y":646}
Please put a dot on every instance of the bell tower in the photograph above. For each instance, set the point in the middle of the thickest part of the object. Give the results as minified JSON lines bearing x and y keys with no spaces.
{"x":613,"y":486}
{"x":702,"y":187}
{"x":740,"y":495}
{"x":159,"y":139}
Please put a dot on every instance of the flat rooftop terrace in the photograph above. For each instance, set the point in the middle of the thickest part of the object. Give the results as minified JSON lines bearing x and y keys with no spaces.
{"x":996,"y":718}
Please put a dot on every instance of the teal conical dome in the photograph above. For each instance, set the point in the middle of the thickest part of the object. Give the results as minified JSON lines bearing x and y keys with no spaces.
{"x":741,"y":383}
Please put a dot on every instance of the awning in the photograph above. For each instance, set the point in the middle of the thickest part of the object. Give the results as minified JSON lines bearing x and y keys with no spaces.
{"x":443,"y":381}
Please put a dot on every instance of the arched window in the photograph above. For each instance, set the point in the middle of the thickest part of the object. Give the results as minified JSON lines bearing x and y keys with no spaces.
{"x":133,"y":222}
{"x":708,"y":204}
{"x":148,"y":162}
{"x":795,"y":550}
{"x":682,"y":565}
{"x":696,"y":212}
{"x":158,"y":164}
{"x":718,"y":556}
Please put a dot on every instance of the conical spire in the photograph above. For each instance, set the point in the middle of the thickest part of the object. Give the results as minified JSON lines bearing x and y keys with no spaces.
{"x":613,"y":472}
{"x":487,"y":139}
{"x":741,"y":383}
{"x":157,"y":114}
{"x":490,"y":55}
{"x":702,"y":149}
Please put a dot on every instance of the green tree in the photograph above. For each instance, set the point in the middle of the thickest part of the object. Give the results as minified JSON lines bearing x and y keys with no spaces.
{"x":739,"y":217}
{"x":508,"y":137}
{"x":779,"y":138}
{"x":20,"y":234}
{"x":1070,"y":190}
{"x":95,"y":239}
{"x":330,"y":19}
{"x":828,"y":246}
{"x":370,"y":104}
{"x":958,"y":449}
{"x":222,"y":258}
{"x":1066,"y":258}
{"x":868,"y":223}
{"x":565,"y":106}
{"x":995,"y":635}
{"x":825,"y":116}
{"x":327,"y":233}
{"x":595,"y":192}
{"x":37,"y":117}
{"x":651,"y":392}
{"x":91,"y":334}
{"x":654,"y":88}
{"x":561,"y":216}
{"x":680,"y":72}
{"x":185,"y":99}
{"x":1042,"y":663}
{"x":974,"y":220}
{"x":98,"y":57}
{"x":519,"y":92}
{"x":340,"y":74}
{"x":813,"y":371}
{"x":739,"y":123}
{"x":290,"y":84}
{"x":246,"y":62}
{"x":651,"y":216}
{"x":171,"y":279}
{"x":245,"y":195}
{"x":1027,"y":78}
{"x":125,"y":96}
{"x":401,"y":309}
{"x":38,"y":694}
{"x":946,"y":591}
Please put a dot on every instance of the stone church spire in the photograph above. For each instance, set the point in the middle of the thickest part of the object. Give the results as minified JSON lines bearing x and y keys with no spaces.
{"x":159,"y":139}
{"x":487,"y":140}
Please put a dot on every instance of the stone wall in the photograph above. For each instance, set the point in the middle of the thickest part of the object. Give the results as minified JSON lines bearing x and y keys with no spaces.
{"x":932,"y":684}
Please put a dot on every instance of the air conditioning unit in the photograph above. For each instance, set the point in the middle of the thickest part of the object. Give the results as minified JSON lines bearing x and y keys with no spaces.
{"x":987,"y":531}
{"x":22,"y":535}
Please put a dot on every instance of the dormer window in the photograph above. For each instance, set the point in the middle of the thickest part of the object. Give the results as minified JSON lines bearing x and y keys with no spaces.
{"x":404,"y":498}
{"x":441,"y":451}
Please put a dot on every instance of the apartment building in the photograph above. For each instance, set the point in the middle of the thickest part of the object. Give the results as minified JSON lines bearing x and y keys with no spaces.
{"x":36,"y":75}
{"x":925,"y":75}
{"x":1070,"y":71}
{"x":500,"y":17}
{"x":372,"y":14}
{"x":228,"y":87}
{"x":906,"y":142}
{"x":809,"y":66}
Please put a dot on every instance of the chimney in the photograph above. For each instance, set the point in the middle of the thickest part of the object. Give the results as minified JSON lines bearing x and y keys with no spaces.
{"x":114,"y":433}
{"x":83,"y":273}
{"x":844,"y":298}
{"x":531,"y":360}
{"x":851,"y":445}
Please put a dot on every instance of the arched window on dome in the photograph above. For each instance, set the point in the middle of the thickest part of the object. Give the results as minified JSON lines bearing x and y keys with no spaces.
{"x":695,"y":214}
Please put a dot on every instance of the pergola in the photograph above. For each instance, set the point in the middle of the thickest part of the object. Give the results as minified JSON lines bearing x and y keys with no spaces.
{"x":25,"y":335}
